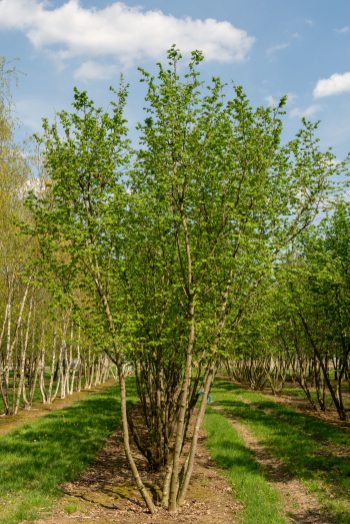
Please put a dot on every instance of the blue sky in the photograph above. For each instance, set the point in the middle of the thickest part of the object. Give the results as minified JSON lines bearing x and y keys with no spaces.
{"x":271,"y":47}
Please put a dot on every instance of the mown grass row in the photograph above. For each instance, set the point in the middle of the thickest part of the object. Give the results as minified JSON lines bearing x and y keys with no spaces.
{"x":312,"y":449}
{"x":295,"y":391}
{"x":41,"y":455}
{"x":37,"y":458}
{"x":261,"y":504}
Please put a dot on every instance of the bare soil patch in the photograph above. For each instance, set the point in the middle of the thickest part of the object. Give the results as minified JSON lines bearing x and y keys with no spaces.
{"x":105,"y":493}
{"x":10,"y":422}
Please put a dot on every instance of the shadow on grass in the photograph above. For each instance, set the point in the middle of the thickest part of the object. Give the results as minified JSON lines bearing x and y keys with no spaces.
{"x":38,"y":457}
{"x":238,"y":462}
{"x":310,"y":448}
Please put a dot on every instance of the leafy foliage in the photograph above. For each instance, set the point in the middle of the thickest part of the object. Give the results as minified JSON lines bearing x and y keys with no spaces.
{"x":169,"y":243}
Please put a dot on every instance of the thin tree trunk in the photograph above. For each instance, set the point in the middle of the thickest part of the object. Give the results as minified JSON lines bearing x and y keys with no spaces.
{"x":52,"y":371}
{"x":76,"y":364}
{"x":191,"y":456}
{"x":174,"y":484}
{"x":24,"y":348}
{"x":142,"y":488}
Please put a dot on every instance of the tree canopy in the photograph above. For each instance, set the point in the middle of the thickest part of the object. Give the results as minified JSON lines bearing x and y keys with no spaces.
{"x":167,"y":245}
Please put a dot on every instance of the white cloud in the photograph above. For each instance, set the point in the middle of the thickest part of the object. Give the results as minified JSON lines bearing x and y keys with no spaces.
{"x":278,"y":47}
{"x":345,"y":29}
{"x":272,"y":101}
{"x":91,"y":70}
{"x":296,"y":112}
{"x":334,"y":85}
{"x":117,"y":30}
{"x":291,"y":97}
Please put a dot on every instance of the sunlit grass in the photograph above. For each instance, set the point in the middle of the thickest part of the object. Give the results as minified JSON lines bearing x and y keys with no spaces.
{"x":308,"y":446}
{"x":38,"y":457}
{"x":296,"y":391}
{"x":261,"y":504}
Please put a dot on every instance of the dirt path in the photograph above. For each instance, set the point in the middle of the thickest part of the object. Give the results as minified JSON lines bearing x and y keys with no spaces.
{"x":105,"y":493}
{"x":300,"y":506}
{"x":9,"y":423}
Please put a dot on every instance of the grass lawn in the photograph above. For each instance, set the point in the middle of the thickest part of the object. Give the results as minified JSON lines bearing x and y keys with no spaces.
{"x":296,"y":391}
{"x":312,"y":449}
{"x":38,"y":457}
{"x":261,"y":503}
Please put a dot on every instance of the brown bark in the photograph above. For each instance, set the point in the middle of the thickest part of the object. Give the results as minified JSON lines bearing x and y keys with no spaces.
{"x":174,"y":484}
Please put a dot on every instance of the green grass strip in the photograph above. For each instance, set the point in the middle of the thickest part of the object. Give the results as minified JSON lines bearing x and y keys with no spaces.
{"x":309,"y":447}
{"x":41,"y":455}
{"x":261,"y":503}
{"x":295,"y":391}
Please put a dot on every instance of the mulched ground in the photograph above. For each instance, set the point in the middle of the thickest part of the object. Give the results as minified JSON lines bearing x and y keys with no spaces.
{"x":105,"y":493}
